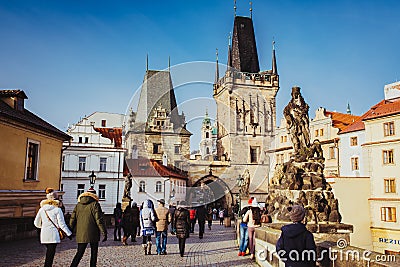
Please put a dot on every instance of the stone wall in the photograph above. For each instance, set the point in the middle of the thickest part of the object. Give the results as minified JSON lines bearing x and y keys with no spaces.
{"x":17,"y":228}
{"x":327,"y":246}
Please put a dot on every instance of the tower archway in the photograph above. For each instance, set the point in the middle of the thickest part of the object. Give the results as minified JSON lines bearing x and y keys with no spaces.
{"x":211,"y":191}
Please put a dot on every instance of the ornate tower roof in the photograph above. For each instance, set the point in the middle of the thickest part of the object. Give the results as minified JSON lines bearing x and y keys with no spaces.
{"x":244,"y":49}
{"x":157,"y":90}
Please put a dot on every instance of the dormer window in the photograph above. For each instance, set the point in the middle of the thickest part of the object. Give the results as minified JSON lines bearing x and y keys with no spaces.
{"x":19,"y":104}
{"x":103,"y":123}
{"x":14,"y":98}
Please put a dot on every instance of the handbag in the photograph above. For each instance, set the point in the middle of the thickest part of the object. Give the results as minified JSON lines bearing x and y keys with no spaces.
{"x":265,"y":219}
{"x":60,"y":231}
{"x":148,"y":231}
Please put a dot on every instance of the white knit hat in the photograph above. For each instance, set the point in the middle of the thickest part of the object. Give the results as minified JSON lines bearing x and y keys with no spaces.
{"x":254,"y":203}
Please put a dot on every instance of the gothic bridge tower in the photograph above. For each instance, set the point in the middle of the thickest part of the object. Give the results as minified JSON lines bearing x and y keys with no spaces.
{"x":246,"y":109}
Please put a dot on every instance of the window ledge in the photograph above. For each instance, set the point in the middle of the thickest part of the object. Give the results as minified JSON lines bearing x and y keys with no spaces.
{"x":30,"y":181}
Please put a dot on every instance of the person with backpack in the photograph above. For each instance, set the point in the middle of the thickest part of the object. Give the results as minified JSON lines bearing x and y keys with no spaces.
{"x":296,"y":237}
{"x":148,"y":221}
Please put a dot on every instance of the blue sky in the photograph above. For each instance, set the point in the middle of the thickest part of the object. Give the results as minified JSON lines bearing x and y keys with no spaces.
{"x":76,"y":57}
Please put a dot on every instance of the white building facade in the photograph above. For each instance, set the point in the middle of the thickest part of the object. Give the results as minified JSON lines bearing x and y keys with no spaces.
{"x":208,"y":143}
{"x":96,"y":146}
{"x":153,"y":180}
{"x":382,"y":151}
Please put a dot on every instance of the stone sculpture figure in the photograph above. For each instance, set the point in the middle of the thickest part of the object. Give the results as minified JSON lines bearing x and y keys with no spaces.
{"x":128,"y":186}
{"x":244,"y":186}
{"x":297,"y":121}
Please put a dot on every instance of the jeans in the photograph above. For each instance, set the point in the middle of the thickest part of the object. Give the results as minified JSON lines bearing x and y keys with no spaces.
{"x":244,"y":237}
{"x":161,"y":248}
{"x":94,"y":248}
{"x":50,"y":252}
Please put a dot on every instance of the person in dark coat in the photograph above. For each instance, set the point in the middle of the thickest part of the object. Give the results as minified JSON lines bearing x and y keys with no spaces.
{"x":127,"y":224}
{"x":117,"y":221}
{"x":296,"y":237}
{"x":182,"y":226}
{"x":201,"y":214}
{"x":87,"y":219}
{"x":209,"y":217}
{"x":136,"y":223}
{"x":172,"y":209}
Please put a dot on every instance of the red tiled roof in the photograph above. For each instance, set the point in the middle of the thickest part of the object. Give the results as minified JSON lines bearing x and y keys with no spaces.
{"x":358,"y":125}
{"x":114,"y":134}
{"x":384,"y":108}
{"x":341,"y":120}
{"x":151,"y":168}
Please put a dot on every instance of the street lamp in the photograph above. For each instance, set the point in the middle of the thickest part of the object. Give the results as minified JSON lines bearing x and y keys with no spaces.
{"x":92,"y":180}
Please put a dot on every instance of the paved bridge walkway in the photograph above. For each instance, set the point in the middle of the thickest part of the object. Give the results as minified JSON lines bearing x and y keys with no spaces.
{"x":217,"y":248}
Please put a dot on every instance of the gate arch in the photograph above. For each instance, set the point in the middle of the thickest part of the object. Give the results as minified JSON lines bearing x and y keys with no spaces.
{"x":210,"y":189}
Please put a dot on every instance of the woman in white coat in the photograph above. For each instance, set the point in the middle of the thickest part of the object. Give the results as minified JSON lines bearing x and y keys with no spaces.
{"x":49,"y":234}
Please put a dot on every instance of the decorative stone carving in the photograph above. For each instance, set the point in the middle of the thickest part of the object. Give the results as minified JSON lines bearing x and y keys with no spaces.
{"x":127,"y":188}
{"x":301,"y":179}
{"x":297,"y":122}
{"x":244,"y":184}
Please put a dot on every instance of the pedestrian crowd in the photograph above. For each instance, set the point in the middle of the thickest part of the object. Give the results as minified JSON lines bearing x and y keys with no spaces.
{"x":87,"y":224}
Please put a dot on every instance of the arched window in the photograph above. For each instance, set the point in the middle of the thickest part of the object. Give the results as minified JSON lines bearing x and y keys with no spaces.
{"x":134,"y":152}
{"x":158,"y":187}
{"x":207,"y":150}
{"x":207,"y":135}
{"x":142,"y":186}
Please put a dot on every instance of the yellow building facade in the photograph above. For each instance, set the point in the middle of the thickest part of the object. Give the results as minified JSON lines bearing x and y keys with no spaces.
{"x":30,"y":158}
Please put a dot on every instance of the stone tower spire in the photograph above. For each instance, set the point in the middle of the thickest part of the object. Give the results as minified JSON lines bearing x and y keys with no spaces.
{"x":274,"y":67}
{"x":216,"y":67}
{"x":244,"y":49}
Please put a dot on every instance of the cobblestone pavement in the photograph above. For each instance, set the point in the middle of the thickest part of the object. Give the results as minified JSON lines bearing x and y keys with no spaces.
{"x":217,"y":248}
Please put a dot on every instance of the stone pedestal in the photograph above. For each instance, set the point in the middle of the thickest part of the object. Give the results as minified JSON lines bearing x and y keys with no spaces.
{"x":125,"y":202}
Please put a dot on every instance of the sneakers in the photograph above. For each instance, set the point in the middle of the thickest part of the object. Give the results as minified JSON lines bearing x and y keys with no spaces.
{"x":241,"y":253}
